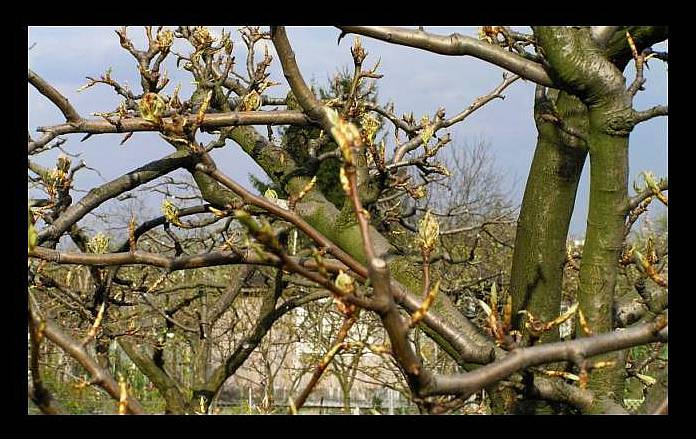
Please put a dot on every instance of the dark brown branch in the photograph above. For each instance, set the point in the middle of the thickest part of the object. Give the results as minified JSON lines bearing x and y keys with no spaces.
{"x":166,"y":316}
{"x":556,"y":390}
{"x":238,"y":279}
{"x":144,"y":258}
{"x":151,"y":224}
{"x":180,"y":263}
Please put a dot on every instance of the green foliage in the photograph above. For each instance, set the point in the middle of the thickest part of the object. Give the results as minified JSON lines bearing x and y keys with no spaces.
{"x":296,"y":139}
{"x":84,"y":400}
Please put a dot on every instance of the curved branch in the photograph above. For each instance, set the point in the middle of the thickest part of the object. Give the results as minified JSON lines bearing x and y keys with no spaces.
{"x":556,"y":390}
{"x":151,"y":224}
{"x":299,"y":88}
{"x":575,"y":350}
{"x":456,"y":45}
{"x":71,"y":115}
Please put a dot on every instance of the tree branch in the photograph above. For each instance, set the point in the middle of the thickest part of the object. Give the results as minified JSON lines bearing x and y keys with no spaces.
{"x":98,"y":195}
{"x":136,"y":124}
{"x":71,"y":115}
{"x":547,"y":353}
{"x":456,"y":45}
{"x":642,"y":116}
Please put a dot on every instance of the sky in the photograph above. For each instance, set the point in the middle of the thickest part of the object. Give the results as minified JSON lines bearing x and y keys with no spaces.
{"x":414,"y":80}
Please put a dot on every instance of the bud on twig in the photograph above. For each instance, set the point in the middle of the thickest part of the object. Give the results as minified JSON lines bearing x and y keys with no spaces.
{"x":428,"y":232}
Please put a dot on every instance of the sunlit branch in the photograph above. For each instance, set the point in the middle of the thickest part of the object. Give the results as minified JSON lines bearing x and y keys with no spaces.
{"x":137,"y":124}
{"x":71,"y":115}
{"x":575,"y":350}
{"x":456,"y":45}
{"x":657,"y":111}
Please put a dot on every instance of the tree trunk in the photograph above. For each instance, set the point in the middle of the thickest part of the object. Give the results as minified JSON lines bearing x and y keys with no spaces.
{"x":547,"y":207}
{"x":175,"y":402}
{"x":542,"y":229}
{"x":579,"y":65}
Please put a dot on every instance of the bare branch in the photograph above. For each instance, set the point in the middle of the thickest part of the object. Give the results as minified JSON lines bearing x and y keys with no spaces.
{"x":547,"y":353}
{"x":642,"y":116}
{"x":302,"y":93}
{"x":71,"y":115}
{"x":75,"y":349}
{"x":439,"y":123}
{"x":216,"y":120}
{"x":456,"y":45}
{"x":112,"y":189}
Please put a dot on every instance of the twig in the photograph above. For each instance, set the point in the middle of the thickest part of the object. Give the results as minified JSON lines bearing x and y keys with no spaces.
{"x":337,"y":346}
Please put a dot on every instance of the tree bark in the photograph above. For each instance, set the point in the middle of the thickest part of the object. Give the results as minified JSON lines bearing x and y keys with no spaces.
{"x":580,"y":66}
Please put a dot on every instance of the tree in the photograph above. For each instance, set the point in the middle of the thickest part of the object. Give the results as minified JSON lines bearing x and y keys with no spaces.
{"x":360,"y":244}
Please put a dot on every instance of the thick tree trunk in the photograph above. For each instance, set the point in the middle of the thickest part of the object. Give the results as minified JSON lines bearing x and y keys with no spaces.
{"x":603,"y":242}
{"x":580,"y":66}
{"x":175,"y":401}
{"x":542,"y":228}
{"x":547,"y":207}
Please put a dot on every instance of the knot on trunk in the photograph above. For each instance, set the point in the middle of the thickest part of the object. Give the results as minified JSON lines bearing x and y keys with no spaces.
{"x":620,"y":123}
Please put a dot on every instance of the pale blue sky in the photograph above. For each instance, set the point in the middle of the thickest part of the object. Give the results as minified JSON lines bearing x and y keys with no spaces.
{"x":414,"y":80}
